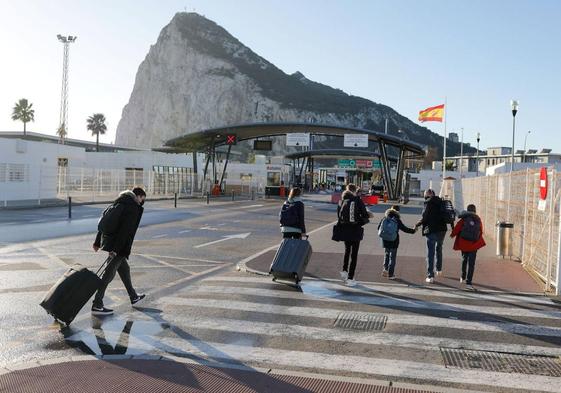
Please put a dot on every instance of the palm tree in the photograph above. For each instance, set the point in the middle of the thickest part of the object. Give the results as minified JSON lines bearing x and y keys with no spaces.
{"x":22,"y":111}
{"x":96,"y":124}
{"x":61,"y":132}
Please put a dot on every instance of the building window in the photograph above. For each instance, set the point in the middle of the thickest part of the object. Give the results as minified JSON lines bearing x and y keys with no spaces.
{"x":16,"y":173}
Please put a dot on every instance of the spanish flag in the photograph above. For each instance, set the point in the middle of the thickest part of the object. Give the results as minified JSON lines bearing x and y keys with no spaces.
{"x":435,"y":113}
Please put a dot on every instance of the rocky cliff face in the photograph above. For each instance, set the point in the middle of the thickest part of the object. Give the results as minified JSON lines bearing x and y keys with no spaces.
{"x":198,"y":76}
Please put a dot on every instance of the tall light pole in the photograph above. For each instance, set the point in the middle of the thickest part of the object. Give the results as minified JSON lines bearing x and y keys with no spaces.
{"x":461,"y":153}
{"x":514,"y":107}
{"x":66,"y":41}
{"x":477,"y":154}
{"x":525,"y":139}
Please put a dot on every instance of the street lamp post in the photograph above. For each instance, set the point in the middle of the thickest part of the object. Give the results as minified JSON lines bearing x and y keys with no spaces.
{"x":477,"y":154}
{"x":514,"y":107}
{"x":525,"y":139}
{"x":462,"y":153}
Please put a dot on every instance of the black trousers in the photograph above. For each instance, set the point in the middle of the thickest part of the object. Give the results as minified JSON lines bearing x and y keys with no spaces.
{"x":468,"y":263}
{"x":291,"y":235}
{"x":118,"y":264}
{"x":351,"y":250}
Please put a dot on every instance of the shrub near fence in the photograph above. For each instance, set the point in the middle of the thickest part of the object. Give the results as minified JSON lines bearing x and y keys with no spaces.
{"x":514,"y":198}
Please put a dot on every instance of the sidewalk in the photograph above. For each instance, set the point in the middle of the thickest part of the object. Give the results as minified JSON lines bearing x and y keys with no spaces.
{"x":119,"y":374}
{"x":491,"y":272}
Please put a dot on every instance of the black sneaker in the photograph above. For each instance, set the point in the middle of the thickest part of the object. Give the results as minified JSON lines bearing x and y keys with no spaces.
{"x":101,"y":311}
{"x":137,"y":299}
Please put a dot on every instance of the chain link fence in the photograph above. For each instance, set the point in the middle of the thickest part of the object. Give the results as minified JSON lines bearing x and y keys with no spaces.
{"x":515,"y":197}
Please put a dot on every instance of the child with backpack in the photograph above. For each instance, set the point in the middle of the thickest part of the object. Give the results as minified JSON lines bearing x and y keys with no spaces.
{"x":291,"y":216}
{"x":388,"y":230}
{"x":469,"y":238}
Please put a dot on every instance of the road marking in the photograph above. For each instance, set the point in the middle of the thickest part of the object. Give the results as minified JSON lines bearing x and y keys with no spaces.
{"x":182,"y":258}
{"x":159,"y":236}
{"x":369,"y":287}
{"x":327,"y":295}
{"x":9,"y":223}
{"x":185,"y":231}
{"x":403,"y":319}
{"x":306,"y":332}
{"x":170,"y":265}
{"x":52,"y":257}
{"x":361,"y":364}
{"x":209,"y":228}
{"x":221,"y":225}
{"x":224,"y":238}
{"x":250,"y":206}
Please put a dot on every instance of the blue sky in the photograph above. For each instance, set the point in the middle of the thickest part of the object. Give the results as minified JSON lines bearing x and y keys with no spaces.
{"x":405,"y":54}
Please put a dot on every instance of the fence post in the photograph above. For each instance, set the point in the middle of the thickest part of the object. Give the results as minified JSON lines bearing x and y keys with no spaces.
{"x":233,"y":195}
{"x":175,"y":200}
{"x":69,"y":207}
{"x":523,"y":233}
{"x":552,"y":199}
{"x":558,"y":275}
{"x":207,"y":197}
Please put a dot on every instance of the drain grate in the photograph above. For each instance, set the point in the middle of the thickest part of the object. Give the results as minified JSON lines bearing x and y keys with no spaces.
{"x":358,"y":321}
{"x":502,"y":362}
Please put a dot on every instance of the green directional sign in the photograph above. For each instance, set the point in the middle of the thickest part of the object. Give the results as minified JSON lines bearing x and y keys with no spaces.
{"x":347,"y":164}
{"x":377,"y":164}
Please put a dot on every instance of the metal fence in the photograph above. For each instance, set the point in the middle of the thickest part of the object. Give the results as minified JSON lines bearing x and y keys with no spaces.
{"x":514,"y":197}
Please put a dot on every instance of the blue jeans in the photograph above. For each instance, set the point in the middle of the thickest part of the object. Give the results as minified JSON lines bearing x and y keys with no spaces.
{"x":389,"y":260}
{"x":434,"y":249}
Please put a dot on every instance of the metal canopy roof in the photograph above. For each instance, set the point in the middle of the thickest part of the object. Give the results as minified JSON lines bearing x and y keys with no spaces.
{"x":202,"y":140}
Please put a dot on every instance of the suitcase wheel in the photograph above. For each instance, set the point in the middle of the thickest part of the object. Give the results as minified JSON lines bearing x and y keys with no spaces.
{"x":274,"y":279}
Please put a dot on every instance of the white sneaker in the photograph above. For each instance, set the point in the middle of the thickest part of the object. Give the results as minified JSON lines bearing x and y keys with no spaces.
{"x":384,"y":273}
{"x":439,"y":272}
{"x":351,"y":283}
{"x":344,"y":275}
{"x":461,"y":280}
{"x":429,"y":280}
{"x":470,"y":287}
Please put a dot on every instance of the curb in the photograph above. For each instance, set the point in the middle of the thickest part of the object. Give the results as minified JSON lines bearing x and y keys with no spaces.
{"x":202,"y":362}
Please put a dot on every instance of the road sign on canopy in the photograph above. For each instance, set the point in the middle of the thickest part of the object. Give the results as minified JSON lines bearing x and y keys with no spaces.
{"x":356,"y":140}
{"x":299,"y":139}
{"x":346,"y":164}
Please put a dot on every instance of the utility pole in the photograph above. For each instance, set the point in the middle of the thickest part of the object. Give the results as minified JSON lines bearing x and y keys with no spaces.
{"x":462,"y":153}
{"x":477,"y":160}
{"x":66,"y":41}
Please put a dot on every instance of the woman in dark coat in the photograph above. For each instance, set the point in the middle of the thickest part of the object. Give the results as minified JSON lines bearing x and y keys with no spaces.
{"x":351,"y":230}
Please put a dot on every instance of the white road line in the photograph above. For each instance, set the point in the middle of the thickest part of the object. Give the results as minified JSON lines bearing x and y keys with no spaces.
{"x":404,"y":319}
{"x":170,"y":265}
{"x":182,"y":258}
{"x":185,"y":231}
{"x":328,"y":295}
{"x":386,"y":367}
{"x":393,"y":340}
{"x":9,"y":223}
{"x":209,"y":228}
{"x":249,"y":207}
{"x":397,"y":289}
{"x":159,"y":236}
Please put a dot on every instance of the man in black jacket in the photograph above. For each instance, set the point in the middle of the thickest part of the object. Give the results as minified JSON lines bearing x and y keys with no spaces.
{"x":434,"y":229}
{"x":119,"y":245}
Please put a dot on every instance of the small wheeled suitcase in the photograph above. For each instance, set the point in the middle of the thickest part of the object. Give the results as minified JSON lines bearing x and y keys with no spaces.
{"x":71,"y":292}
{"x":291,"y":260}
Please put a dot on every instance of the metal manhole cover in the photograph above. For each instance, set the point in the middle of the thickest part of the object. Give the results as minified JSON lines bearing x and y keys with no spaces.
{"x":357,"y":321}
{"x":502,"y":362}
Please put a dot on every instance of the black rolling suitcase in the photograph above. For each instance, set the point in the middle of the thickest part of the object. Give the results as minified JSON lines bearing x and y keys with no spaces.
{"x":71,"y":292}
{"x":291,"y":260}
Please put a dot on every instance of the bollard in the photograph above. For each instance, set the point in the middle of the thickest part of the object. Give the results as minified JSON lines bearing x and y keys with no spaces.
{"x":175,"y":200}
{"x":69,"y":208}
{"x":207,"y":198}
{"x":252,"y":195}
{"x":233,"y":195}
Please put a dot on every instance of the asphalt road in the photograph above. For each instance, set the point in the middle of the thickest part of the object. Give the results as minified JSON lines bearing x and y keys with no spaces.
{"x":198,"y":306}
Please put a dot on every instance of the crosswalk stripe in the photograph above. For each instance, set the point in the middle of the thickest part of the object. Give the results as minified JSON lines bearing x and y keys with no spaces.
{"x":425,"y":343}
{"x":400,"y":289}
{"x":404,"y":319}
{"x":386,"y":367}
{"x":331,"y":295}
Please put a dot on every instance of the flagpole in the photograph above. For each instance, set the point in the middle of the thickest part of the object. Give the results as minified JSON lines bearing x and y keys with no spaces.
{"x":444,"y":149}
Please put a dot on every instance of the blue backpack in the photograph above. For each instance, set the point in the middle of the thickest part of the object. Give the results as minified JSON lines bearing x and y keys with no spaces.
{"x":288,"y":215}
{"x":388,"y":229}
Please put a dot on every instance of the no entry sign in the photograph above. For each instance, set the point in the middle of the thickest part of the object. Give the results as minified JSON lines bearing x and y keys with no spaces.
{"x":543,"y":184}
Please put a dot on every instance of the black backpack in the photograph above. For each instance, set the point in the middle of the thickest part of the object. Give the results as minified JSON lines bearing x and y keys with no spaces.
{"x":110,"y":219}
{"x":288,"y":215}
{"x":349,"y":213}
{"x":471,"y":230}
{"x":447,"y":212}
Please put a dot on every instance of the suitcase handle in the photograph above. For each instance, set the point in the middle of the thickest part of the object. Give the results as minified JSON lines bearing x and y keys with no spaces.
{"x":104,"y":266}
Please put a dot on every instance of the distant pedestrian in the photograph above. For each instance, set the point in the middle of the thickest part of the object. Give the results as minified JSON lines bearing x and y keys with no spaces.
{"x":291,"y":216}
{"x":469,"y":238}
{"x":434,"y":229}
{"x":351,"y":216}
{"x":116,"y":230}
{"x":388,"y":230}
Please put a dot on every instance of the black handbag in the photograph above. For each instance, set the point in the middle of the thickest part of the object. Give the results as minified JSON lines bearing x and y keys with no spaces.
{"x":337,"y":232}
